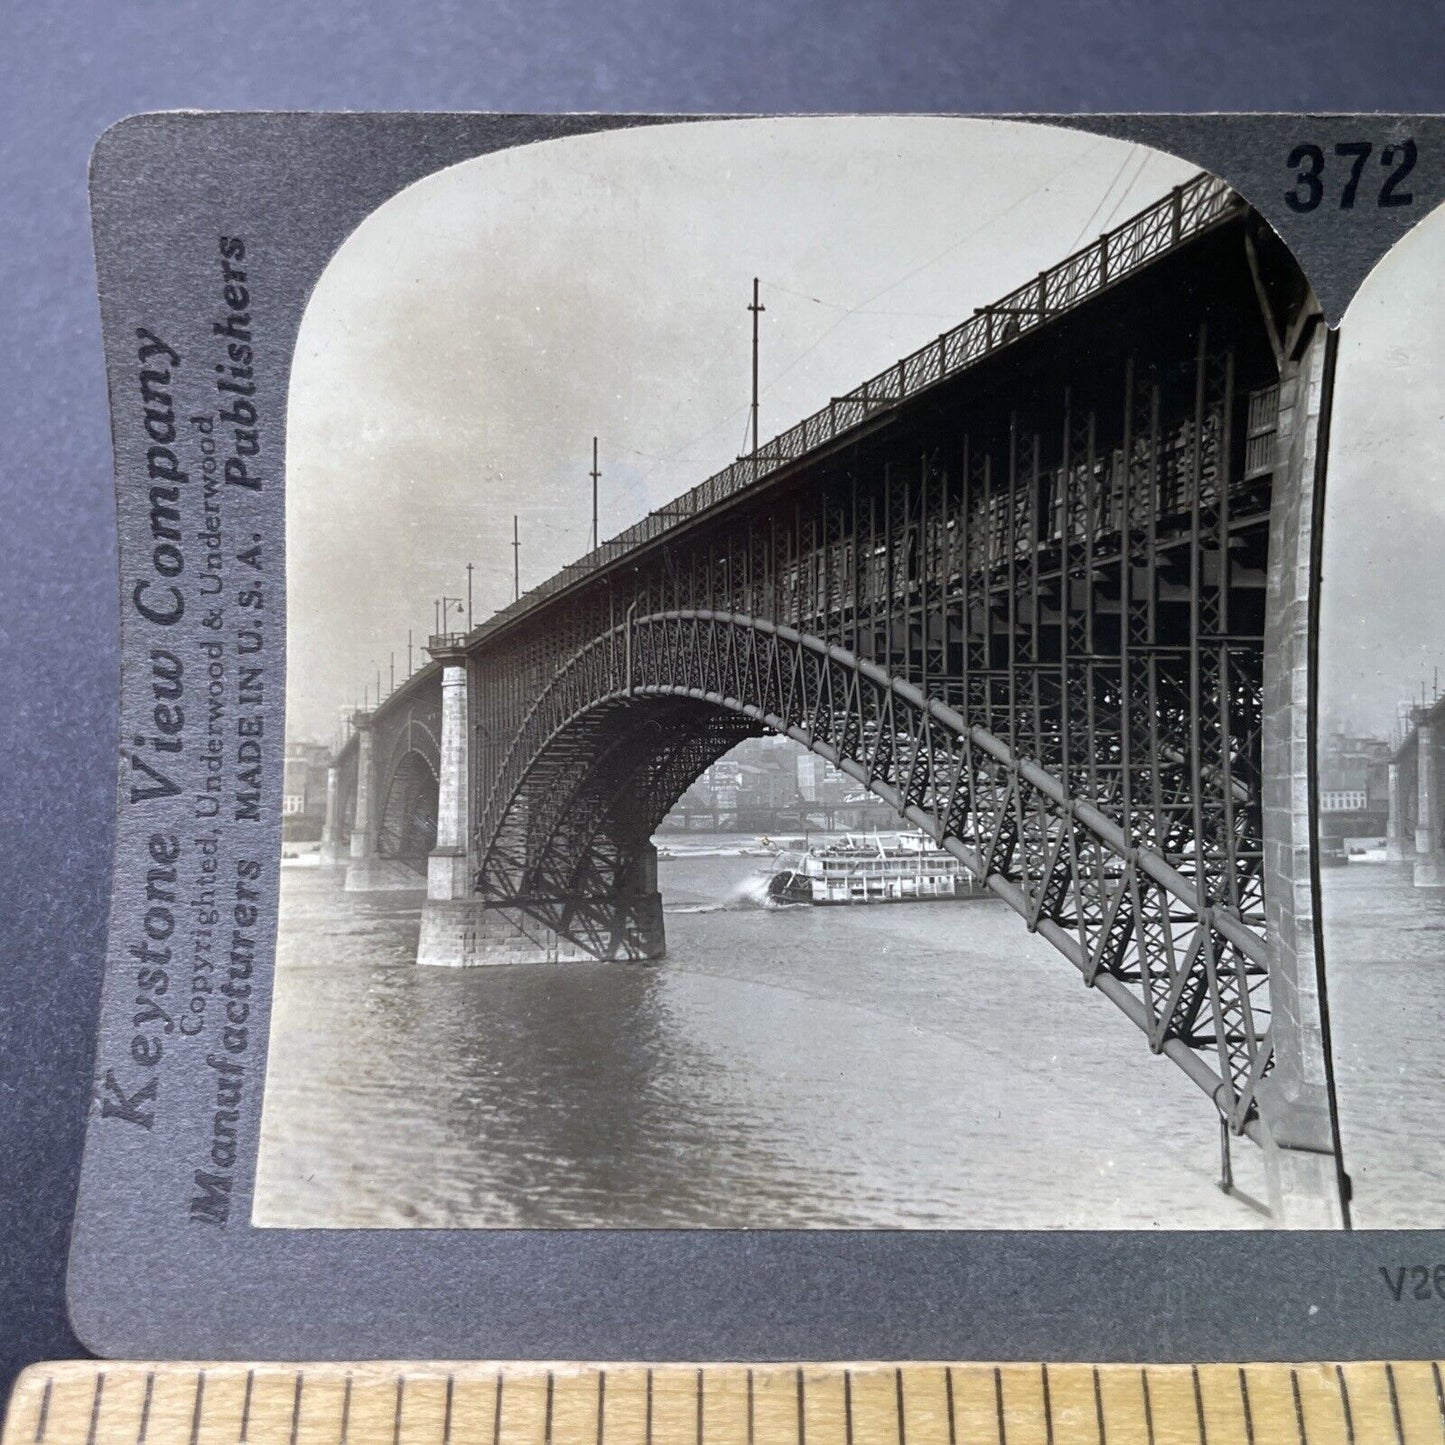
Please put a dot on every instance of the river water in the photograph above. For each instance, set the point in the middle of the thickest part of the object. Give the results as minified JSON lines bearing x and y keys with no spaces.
{"x":1385,"y":966}
{"x":925,"y":1065}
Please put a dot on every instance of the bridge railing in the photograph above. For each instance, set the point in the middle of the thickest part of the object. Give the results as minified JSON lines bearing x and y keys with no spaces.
{"x":1186,"y":211}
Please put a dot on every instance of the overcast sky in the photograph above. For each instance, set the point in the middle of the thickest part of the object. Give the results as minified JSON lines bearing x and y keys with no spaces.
{"x":1382,"y":622}
{"x":472,"y":335}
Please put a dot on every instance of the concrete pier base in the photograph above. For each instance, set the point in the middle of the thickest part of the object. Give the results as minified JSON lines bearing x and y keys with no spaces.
{"x":1301,"y":1170}
{"x":382,"y":875}
{"x":446,"y":875}
{"x":469,"y":933}
{"x":1430,"y":870}
{"x":1397,"y":849}
{"x":332,"y":852}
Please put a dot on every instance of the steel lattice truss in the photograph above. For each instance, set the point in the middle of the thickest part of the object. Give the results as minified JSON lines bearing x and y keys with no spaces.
{"x":1036,"y":631}
{"x":1189,"y":975}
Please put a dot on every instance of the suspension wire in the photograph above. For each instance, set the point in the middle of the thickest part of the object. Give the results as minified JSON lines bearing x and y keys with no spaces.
{"x":932,"y":261}
{"x":1104,"y":199}
{"x":860,"y":310}
{"x":1145,"y":157}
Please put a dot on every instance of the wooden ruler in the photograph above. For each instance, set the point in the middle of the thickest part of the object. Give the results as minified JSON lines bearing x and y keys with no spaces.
{"x":109,"y":1403}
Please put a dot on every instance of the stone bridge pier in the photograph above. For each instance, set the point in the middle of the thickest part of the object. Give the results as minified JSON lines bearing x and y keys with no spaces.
{"x":1399,"y":846}
{"x":1429,"y":858}
{"x":1415,"y":833}
{"x":332,"y":852}
{"x":1299,"y":1138}
{"x":460,"y":926}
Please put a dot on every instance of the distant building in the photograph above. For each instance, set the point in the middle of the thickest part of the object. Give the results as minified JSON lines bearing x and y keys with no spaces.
{"x":1354,"y":785}
{"x":303,"y":790}
{"x":771,"y":784}
{"x":293,"y":786}
{"x":810,"y":774}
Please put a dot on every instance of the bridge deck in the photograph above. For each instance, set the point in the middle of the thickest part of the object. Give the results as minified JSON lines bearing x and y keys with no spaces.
{"x":1185,"y":213}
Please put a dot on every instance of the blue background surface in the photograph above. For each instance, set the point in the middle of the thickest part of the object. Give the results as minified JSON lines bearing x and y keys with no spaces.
{"x":67,"y":71}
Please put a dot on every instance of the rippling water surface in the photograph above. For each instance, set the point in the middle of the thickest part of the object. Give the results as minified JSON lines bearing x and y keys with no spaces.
{"x":1385,"y":965}
{"x":906,"y":1066}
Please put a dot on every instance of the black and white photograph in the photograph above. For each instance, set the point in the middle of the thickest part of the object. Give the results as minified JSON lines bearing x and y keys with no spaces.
{"x":1382,"y":728}
{"x":798,"y":695}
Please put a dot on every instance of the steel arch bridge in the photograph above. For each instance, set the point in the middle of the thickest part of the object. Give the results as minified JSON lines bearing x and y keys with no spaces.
{"x":1042,"y":587}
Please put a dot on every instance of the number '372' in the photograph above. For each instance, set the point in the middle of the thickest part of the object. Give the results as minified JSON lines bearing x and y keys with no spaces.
{"x":1308,"y":163}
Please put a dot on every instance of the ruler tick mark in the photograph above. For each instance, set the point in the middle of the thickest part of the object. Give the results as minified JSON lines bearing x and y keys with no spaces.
{"x":1048,"y":1405}
{"x":601,"y":1402}
{"x":296,"y":1407}
{"x":1244,"y":1400}
{"x":649,"y":1406}
{"x":1148,"y":1405}
{"x":145,"y":1409}
{"x":948,"y":1395}
{"x":1395,"y":1403}
{"x":547,"y":1419}
{"x":396,"y":1412}
{"x":802,"y":1420}
{"x":43,"y":1418}
{"x":848,"y":1407}
{"x":750,"y":1405}
{"x":898,"y":1388}
{"x":699,"y":1407}
{"x":497,"y":1413}
{"x":346,"y":1409}
{"x":447,"y":1416}
{"x":95,"y":1407}
{"x":998,"y":1404}
{"x":196,"y":1407}
{"x":1099,"y":1405}
{"x":1199,"y":1405}
{"x":246,"y":1407}
{"x":1439,"y":1393}
{"x":1345,"y":1403}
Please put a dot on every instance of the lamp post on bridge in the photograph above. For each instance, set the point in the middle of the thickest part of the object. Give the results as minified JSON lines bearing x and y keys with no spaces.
{"x":757,"y":308}
{"x":595,"y":474}
{"x":444,"y":607}
{"x":469,"y":596}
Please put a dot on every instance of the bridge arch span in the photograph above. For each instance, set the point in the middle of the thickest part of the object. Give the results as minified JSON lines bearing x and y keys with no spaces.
{"x":633,"y":718}
{"x":407,"y":824}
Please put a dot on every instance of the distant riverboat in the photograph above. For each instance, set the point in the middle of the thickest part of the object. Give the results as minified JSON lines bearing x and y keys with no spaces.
{"x":871,"y":868}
